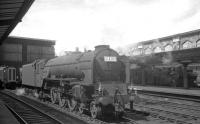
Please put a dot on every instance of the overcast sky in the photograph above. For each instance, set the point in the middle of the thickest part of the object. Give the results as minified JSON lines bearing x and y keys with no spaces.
{"x":118,"y":23}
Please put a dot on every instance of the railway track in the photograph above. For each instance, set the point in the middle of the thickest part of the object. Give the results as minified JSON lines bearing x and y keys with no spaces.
{"x":26,"y":113}
{"x":157,"y":114}
{"x":54,"y":110}
{"x":170,"y":110}
{"x":169,"y":116}
{"x":170,"y":95}
{"x":133,"y":115}
{"x":87,"y":117}
{"x":186,"y":105}
{"x":50,"y":108}
{"x":174,"y":106}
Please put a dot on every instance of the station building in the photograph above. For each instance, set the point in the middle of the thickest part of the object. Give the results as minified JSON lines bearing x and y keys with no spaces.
{"x":16,"y":51}
{"x":175,"y":42}
{"x":167,"y":61}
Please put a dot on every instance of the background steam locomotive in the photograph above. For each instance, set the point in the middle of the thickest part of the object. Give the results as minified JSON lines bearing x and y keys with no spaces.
{"x":94,"y":80}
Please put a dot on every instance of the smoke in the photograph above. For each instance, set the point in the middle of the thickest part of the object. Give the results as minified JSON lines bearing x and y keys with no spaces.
{"x":20,"y":91}
{"x":167,"y":59}
{"x":36,"y":95}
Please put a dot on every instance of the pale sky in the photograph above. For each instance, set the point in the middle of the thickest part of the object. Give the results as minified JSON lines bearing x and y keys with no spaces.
{"x":118,"y":23}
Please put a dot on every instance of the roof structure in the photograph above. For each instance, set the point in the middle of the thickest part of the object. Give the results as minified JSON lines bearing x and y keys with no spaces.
{"x":27,"y":40}
{"x":11,"y":13}
{"x":170,"y":36}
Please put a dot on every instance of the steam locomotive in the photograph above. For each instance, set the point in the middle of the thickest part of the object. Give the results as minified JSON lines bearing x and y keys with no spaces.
{"x":94,"y":81}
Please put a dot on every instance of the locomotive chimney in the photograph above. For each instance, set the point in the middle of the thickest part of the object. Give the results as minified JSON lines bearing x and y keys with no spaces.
{"x":101,"y":47}
{"x":77,"y":49}
{"x":85,"y":50}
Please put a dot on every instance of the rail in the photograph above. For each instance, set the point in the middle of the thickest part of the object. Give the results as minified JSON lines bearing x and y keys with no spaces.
{"x":171,"y":95}
{"x":25,"y":112}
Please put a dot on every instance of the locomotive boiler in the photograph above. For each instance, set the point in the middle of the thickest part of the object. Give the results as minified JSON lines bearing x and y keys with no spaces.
{"x":93,"y":80}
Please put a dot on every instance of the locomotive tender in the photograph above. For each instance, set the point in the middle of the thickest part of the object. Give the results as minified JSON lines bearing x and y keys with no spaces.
{"x":94,"y":80}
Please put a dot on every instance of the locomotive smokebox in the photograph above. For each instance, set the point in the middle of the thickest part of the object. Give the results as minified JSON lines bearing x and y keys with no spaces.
{"x":101,"y":47}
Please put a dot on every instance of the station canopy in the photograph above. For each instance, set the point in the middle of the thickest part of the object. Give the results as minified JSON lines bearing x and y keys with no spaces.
{"x":11,"y":13}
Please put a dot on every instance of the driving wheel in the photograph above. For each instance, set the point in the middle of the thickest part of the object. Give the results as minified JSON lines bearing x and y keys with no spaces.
{"x":72,"y":103}
{"x":61,"y":100}
{"x":53,"y":95}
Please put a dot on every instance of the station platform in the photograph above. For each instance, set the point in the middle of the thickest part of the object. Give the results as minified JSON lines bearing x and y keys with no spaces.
{"x":6,"y":117}
{"x":190,"y":92}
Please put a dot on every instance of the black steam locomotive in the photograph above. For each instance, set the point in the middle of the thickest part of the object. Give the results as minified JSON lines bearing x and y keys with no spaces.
{"x":95,"y":81}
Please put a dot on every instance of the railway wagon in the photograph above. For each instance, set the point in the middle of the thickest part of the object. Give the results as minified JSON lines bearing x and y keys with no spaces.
{"x":93,"y":81}
{"x":8,"y":77}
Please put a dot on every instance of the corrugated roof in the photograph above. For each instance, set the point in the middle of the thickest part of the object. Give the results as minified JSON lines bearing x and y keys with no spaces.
{"x":11,"y":13}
